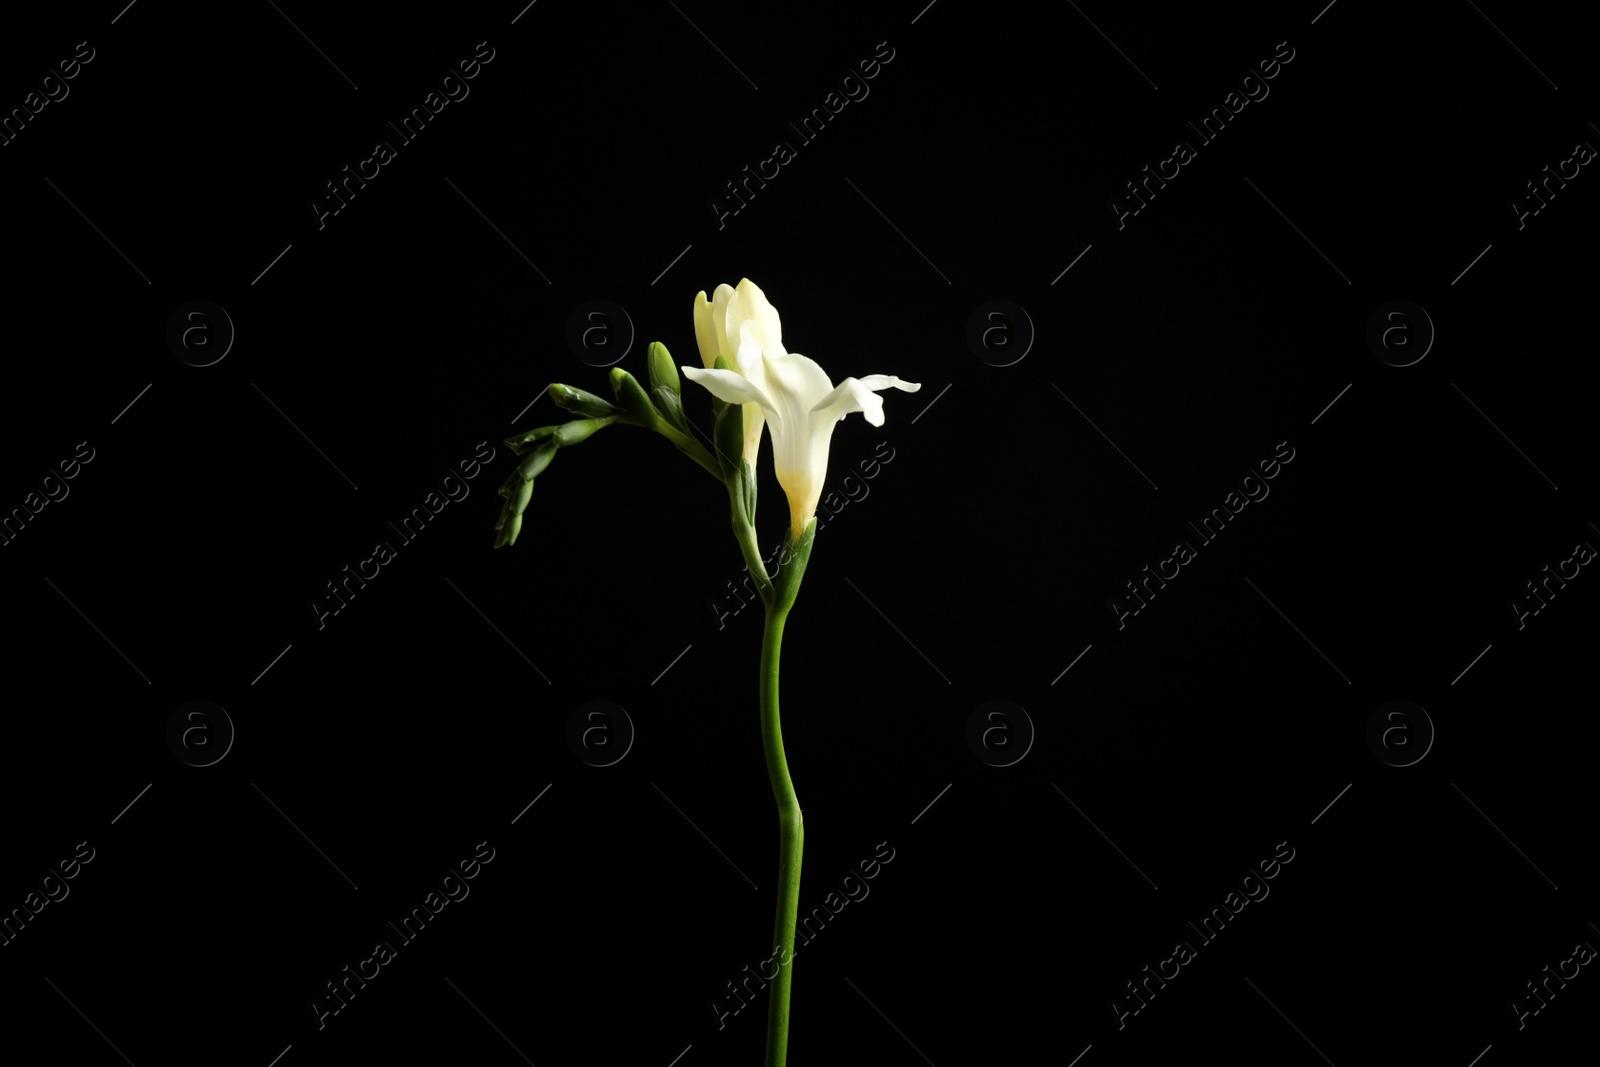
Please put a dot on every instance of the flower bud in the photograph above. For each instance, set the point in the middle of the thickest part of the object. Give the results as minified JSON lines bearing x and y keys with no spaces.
{"x":518,"y":500}
{"x":536,"y":461}
{"x":580,"y":402}
{"x":663,"y":373}
{"x":728,"y":435}
{"x":671,"y":408}
{"x":508,"y":532}
{"x":518,"y":443}
{"x":578,"y":430}
{"x":632,"y":397}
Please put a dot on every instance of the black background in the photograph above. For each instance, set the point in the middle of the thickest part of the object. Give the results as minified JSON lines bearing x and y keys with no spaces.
{"x":375,"y":353}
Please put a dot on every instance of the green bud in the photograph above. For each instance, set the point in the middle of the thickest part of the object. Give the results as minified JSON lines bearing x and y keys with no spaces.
{"x":512,"y":528}
{"x":518,"y":443}
{"x":509,"y":486}
{"x":728,"y":435}
{"x":717,"y":406}
{"x":670,"y":406}
{"x":632,"y":397}
{"x":582,"y":403}
{"x":577,"y":430}
{"x":518,"y":503}
{"x":502,"y":535}
{"x":535,"y":462}
{"x":663,"y":372}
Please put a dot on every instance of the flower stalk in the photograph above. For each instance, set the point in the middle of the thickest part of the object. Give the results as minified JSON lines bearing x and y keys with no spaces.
{"x":756,"y":386}
{"x":791,"y":826}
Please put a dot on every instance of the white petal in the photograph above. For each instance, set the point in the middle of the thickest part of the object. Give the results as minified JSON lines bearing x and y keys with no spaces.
{"x":754,"y":420}
{"x":857,"y":394}
{"x":705,"y":331}
{"x":726,"y":346}
{"x":749,"y":357}
{"x":728,"y":386}
{"x":884,"y":381}
{"x":798,"y":377}
{"x":795,"y":383}
{"x":750,"y":304}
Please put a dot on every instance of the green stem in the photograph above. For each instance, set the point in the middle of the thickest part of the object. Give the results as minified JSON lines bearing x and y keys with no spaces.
{"x":791,"y":827}
{"x":689,"y":447}
{"x":791,"y":837}
{"x":744,"y":532}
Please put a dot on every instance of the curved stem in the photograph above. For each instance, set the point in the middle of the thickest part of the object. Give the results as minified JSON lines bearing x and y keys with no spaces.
{"x":791,"y":837}
{"x":744,"y":531}
{"x":791,"y":827}
{"x":689,"y":447}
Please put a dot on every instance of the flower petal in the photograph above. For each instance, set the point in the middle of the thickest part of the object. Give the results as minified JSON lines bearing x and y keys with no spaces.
{"x":748,"y":359}
{"x":719,"y":320}
{"x":705,"y":331}
{"x":727,"y":319}
{"x":858,"y":394}
{"x":750,"y":304}
{"x":729,"y":386}
{"x":798,"y":377}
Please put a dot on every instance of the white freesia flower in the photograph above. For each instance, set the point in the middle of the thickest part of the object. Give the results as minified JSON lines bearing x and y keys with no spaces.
{"x":796,"y":399}
{"x":717,"y":326}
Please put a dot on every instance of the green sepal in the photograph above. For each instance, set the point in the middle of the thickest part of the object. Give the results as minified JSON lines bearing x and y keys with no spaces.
{"x":663,"y":372}
{"x":792,"y":560}
{"x":581,"y":402}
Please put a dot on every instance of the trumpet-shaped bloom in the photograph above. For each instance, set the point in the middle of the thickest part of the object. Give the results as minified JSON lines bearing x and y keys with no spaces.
{"x":718,"y":324}
{"x":798,"y":402}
